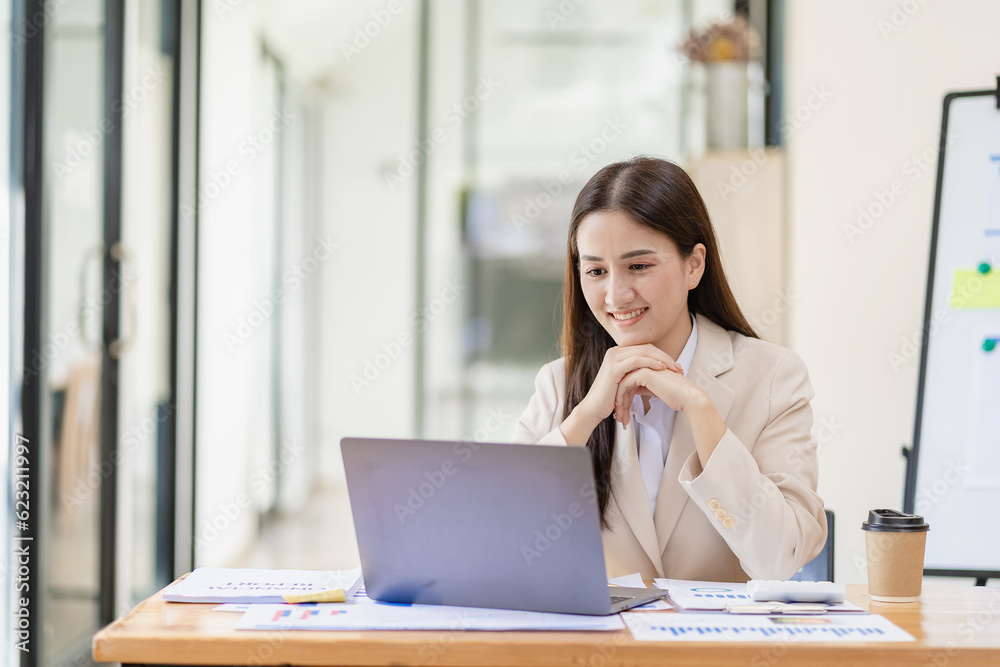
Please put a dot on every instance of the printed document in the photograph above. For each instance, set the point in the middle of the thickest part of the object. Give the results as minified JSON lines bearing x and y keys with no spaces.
{"x":231,"y":585}
{"x":687,"y":595}
{"x":363,"y":613}
{"x":733,"y":628}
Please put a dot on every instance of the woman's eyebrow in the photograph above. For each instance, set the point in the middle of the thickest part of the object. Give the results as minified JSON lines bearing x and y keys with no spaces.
{"x":629,"y":255}
{"x":637,"y":253}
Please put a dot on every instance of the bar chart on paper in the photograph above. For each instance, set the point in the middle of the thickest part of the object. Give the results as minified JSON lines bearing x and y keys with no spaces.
{"x":703,"y":595}
{"x":363,"y":613}
{"x":954,"y":466}
{"x":722,"y":628}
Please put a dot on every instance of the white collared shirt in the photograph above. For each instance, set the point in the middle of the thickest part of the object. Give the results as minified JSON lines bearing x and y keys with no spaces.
{"x":654,"y":429}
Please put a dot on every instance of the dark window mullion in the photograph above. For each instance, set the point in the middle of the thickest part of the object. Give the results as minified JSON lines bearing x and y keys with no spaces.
{"x":114,"y":64}
{"x":166,"y":469}
{"x":28,"y":231}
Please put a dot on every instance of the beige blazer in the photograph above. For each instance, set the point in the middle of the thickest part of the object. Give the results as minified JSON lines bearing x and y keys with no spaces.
{"x":753,"y":512}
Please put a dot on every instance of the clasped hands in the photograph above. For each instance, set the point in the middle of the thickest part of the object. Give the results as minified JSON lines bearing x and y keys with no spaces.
{"x":643,"y":370}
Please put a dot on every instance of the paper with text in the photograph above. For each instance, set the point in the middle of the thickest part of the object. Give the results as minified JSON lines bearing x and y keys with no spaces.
{"x":363,"y":613}
{"x":790,"y":629}
{"x":235,"y":585}
{"x":687,"y":596}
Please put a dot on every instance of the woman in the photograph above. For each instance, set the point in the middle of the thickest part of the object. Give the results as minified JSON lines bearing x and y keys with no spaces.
{"x":698,"y":430}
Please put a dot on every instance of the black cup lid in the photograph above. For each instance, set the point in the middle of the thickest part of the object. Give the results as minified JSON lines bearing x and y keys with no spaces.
{"x":893,"y":521}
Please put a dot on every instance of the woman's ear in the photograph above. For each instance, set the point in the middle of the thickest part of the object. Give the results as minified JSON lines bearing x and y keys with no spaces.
{"x":696,"y":265}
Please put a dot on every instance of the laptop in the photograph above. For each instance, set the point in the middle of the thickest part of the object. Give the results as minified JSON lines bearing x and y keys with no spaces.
{"x":481,"y":525}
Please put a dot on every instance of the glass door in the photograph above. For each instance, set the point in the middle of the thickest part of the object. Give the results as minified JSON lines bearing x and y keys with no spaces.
{"x":102,"y":363}
{"x":70,"y":361}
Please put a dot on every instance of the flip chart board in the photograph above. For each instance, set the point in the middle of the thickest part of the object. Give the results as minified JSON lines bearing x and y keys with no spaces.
{"x":953,"y":476}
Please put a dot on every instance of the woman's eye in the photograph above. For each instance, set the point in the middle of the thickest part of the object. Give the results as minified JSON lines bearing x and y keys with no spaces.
{"x":639,"y":267}
{"x":594,"y":272}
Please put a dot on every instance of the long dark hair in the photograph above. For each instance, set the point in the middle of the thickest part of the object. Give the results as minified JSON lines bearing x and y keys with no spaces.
{"x":661,"y":196}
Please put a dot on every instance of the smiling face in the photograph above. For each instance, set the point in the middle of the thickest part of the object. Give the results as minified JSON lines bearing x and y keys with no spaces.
{"x":635,"y":281}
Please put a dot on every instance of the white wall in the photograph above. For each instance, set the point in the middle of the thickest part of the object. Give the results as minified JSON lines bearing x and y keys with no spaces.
{"x":867,"y":82}
{"x":369,"y":124}
{"x":234,"y":416}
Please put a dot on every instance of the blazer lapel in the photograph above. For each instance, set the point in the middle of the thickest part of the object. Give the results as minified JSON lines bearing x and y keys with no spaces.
{"x":630,"y":492}
{"x":712,"y":357}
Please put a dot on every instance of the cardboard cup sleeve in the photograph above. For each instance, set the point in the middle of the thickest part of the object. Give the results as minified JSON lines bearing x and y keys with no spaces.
{"x":894,"y":546}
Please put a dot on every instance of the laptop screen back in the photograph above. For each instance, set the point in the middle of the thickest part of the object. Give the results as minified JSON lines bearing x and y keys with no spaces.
{"x":477,"y":524}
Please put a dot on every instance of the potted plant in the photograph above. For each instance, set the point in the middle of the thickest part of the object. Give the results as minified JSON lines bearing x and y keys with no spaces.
{"x":724,"y":49}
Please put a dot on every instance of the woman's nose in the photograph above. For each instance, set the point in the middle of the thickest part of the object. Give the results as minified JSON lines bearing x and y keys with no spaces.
{"x":620,"y":292}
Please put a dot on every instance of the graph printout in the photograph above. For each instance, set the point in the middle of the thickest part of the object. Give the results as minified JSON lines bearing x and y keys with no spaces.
{"x":785,"y":629}
{"x":363,"y":613}
{"x":689,"y":595}
{"x":692,"y":596}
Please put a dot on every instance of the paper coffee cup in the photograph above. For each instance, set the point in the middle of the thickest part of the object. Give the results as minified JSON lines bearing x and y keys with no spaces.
{"x":894,"y":546}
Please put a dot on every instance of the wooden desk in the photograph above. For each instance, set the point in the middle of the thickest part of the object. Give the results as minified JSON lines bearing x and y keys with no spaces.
{"x":953,"y":626}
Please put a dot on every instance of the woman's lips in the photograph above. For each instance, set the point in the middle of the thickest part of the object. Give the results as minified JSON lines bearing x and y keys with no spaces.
{"x":627,"y":318}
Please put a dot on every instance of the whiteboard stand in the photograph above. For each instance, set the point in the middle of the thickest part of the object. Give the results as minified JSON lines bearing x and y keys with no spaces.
{"x":953,"y":468}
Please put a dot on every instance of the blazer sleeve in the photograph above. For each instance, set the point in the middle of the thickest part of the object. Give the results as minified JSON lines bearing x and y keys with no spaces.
{"x":539,"y":423}
{"x":771,"y":516}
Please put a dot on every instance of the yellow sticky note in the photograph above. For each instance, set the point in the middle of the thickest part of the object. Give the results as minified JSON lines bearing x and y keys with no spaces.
{"x":972,"y":289}
{"x":334,"y":595}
